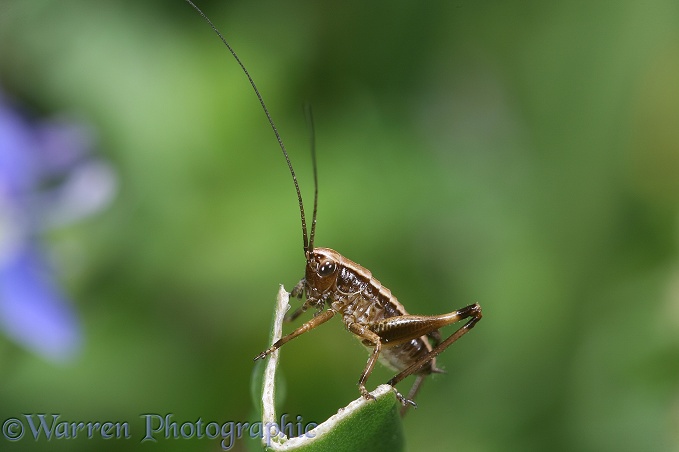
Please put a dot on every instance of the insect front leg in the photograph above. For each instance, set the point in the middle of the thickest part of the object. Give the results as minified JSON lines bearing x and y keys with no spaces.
{"x":308,"y":326}
{"x":298,"y":292}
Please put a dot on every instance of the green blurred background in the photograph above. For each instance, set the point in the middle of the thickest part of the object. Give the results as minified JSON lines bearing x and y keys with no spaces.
{"x":523,"y":155}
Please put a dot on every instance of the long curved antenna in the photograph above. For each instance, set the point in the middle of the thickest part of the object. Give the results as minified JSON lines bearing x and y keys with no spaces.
{"x":310,"y":120}
{"x":273,"y":126}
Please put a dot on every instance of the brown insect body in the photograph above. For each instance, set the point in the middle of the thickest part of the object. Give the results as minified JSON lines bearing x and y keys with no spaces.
{"x":350,"y":289}
{"x":369,"y":310}
{"x":407,"y":343}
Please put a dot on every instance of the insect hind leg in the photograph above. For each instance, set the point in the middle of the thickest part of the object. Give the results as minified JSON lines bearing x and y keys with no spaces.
{"x":473,"y":311}
{"x":409,"y":400}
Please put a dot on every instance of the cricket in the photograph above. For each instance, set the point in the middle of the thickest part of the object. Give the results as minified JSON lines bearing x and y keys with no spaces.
{"x":336,"y":286}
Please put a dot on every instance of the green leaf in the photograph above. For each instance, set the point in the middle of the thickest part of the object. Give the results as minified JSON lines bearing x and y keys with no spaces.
{"x":373,"y":425}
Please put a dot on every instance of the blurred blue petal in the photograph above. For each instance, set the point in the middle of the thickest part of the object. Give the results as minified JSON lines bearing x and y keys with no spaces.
{"x":48,"y":178}
{"x":17,"y":173}
{"x":32,"y":311}
{"x":90,"y":186}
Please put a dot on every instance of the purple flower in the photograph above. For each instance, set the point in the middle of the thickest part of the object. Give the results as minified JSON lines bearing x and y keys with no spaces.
{"x":48,"y":178}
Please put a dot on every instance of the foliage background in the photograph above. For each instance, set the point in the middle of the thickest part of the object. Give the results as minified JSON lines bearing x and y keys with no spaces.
{"x":523,"y":155}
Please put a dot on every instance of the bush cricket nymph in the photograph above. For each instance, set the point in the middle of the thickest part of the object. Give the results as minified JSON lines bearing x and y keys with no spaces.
{"x":336,"y":286}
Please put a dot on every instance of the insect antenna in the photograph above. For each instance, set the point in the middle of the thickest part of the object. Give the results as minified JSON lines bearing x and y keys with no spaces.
{"x":307,"y":245}
{"x":310,"y":121}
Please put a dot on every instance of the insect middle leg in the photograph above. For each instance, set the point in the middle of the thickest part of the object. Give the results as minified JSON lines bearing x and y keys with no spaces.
{"x":373,"y":339}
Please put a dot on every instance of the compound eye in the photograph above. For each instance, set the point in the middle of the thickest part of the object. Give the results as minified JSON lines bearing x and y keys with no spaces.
{"x":327,"y":268}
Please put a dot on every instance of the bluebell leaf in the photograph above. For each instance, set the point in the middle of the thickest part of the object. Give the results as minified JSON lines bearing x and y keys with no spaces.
{"x":373,"y":425}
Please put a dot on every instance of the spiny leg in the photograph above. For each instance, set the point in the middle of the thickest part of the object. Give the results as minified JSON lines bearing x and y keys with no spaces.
{"x":473,"y":311}
{"x":308,"y":326}
{"x":400,"y":329}
{"x":403,"y":328}
{"x":297,"y":292}
{"x":369,"y":338}
{"x":296,"y":313}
